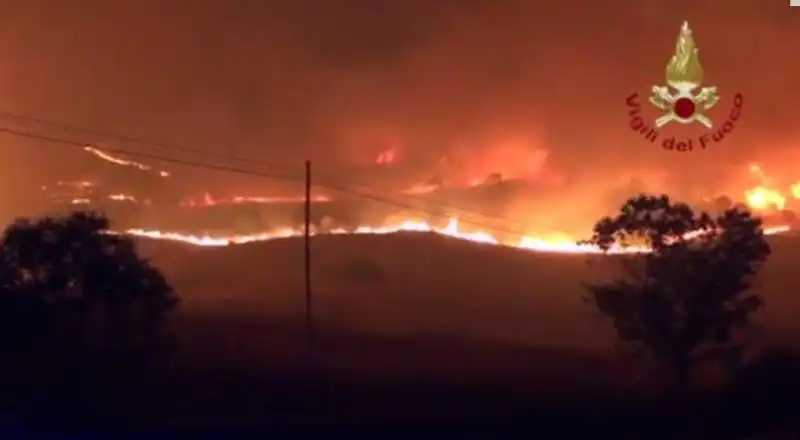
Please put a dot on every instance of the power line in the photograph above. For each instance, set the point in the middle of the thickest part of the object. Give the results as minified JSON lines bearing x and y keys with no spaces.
{"x":243,"y":171}
{"x":73,"y":143}
{"x":134,"y":139}
{"x":141,"y":140}
{"x":173,"y":146}
{"x":130,"y":138}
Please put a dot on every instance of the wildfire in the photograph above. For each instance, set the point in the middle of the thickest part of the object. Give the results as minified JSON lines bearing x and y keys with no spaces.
{"x":119,"y":161}
{"x":209,"y":200}
{"x":122,"y":197}
{"x":553,"y":243}
{"x":765,"y":196}
{"x":770,"y":194}
{"x":452,"y":229}
{"x":761,"y":198}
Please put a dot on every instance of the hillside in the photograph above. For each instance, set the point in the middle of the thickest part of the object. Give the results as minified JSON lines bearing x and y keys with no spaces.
{"x":423,"y":283}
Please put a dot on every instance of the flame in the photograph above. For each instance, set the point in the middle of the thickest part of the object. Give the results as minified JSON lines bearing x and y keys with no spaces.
{"x":795,"y":190}
{"x":764,"y":196}
{"x":553,"y":243}
{"x":114,"y":197}
{"x":761,"y":198}
{"x":205,"y":201}
{"x":451,"y":229}
{"x":767,"y":195}
{"x":80,"y":184}
{"x":209,"y":200}
{"x":119,"y":161}
{"x":684,"y":66}
{"x":422,"y":188}
{"x":122,"y":197}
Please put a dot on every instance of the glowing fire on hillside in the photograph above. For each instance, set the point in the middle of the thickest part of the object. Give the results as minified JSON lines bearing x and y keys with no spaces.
{"x":123,"y":162}
{"x":552,"y":243}
{"x":765,"y":197}
{"x":209,"y":200}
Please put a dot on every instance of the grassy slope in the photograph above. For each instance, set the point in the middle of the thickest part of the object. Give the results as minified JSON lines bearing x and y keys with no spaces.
{"x":424,"y":328}
{"x":387,"y":302}
{"x":415,"y":283}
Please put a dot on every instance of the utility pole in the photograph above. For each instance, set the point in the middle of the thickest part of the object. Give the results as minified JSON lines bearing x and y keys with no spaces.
{"x":309,"y":306}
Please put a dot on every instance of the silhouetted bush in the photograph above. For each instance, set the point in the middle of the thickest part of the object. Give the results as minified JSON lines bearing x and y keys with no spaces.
{"x":682,"y":301}
{"x":76,"y":298}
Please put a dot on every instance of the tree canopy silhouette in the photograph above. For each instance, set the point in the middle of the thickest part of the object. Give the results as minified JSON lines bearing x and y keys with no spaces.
{"x":68,"y":284}
{"x":683,"y":301}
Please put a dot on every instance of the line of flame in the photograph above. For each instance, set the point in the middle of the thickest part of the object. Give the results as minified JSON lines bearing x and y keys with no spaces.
{"x":533,"y":243}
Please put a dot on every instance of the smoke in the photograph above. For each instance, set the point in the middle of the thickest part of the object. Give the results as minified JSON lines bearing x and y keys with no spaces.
{"x":526,"y":89}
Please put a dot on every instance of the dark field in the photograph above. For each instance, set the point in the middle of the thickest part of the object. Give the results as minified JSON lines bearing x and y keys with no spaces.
{"x":418,"y":327}
{"x":411,"y":284}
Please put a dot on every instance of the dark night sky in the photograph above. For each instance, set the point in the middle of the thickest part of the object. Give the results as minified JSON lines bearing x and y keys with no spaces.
{"x":283,"y":80}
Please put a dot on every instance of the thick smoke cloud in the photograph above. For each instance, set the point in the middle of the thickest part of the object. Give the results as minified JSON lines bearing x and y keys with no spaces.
{"x":453,"y":82}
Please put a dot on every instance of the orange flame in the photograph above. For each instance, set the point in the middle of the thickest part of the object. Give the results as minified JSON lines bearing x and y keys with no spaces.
{"x":558,"y":244}
{"x":119,"y":161}
{"x":767,"y":195}
{"x":762,"y":197}
{"x":209,"y":200}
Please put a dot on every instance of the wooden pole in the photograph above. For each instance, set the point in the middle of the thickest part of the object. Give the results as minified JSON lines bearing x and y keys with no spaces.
{"x":309,"y":305}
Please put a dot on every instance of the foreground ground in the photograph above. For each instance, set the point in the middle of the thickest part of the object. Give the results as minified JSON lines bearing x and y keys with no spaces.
{"x":406,"y":284}
{"x":417,"y":328}
{"x":233,"y":375}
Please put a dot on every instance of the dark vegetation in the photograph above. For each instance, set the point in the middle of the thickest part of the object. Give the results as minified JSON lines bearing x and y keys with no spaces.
{"x":86,"y":345}
{"x":682,"y":303}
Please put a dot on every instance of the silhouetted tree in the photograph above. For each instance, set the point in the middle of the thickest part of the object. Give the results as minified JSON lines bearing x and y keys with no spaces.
{"x":681,"y":302}
{"x":69,"y":286}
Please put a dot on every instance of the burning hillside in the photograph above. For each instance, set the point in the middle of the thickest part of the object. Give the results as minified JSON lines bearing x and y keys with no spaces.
{"x":162,"y":194}
{"x":151,"y":207}
{"x":548,"y":243}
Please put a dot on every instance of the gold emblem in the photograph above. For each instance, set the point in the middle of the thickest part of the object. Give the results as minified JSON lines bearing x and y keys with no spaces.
{"x":684,"y":75}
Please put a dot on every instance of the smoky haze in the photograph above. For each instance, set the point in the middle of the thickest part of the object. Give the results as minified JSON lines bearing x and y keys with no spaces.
{"x":528,"y":89}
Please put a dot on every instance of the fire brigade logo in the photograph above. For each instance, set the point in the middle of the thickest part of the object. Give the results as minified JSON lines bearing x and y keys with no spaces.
{"x":684,"y":75}
{"x":682,"y":100}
